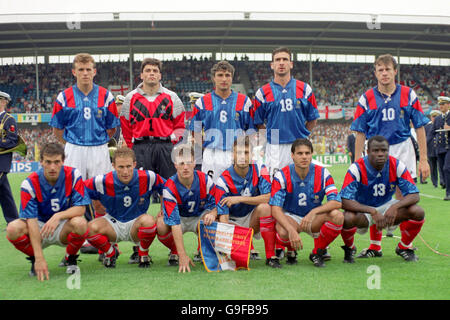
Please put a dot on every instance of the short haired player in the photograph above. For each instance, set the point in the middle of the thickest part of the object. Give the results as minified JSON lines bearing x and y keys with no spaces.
{"x":84,"y":119}
{"x":367,"y":193}
{"x":243,"y":193}
{"x":296,"y":199}
{"x":387,"y":110}
{"x":286,"y":108}
{"x":53,"y":201}
{"x":125,"y":193}
{"x":223,"y":114}
{"x":188,"y":197}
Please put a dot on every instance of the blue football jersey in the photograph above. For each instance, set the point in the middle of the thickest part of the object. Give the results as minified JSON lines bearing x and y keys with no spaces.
{"x":371,"y":187}
{"x":125,"y":202}
{"x":41,"y":200}
{"x":390,"y":117}
{"x":285,"y":111}
{"x":299,"y":196}
{"x":229,"y":184}
{"x":178,"y":201}
{"x":85,"y":119}
{"x":222,"y":119}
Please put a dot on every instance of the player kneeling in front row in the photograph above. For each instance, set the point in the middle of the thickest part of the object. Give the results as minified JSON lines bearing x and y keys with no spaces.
{"x":188,"y":196}
{"x":296,"y":199}
{"x":53,"y":201}
{"x":126,"y":194}
{"x":367,"y":200}
{"x":243,"y":193}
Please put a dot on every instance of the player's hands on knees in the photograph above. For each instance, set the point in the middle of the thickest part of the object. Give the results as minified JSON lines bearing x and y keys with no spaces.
{"x":50,"y":226}
{"x":379,"y":220}
{"x":390,"y":216}
{"x":41,"y":269}
{"x":306,"y":223}
{"x":184,"y":262}
{"x":295,"y":240}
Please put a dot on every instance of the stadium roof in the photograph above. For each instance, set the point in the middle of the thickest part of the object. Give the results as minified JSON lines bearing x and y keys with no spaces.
{"x":27,"y":32}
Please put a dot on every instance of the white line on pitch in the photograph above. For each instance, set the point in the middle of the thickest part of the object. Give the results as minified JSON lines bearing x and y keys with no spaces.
{"x":430,"y":196}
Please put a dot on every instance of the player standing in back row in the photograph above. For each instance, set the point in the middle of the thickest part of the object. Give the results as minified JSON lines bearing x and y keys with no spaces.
{"x":286,"y":108}
{"x":223,"y":114}
{"x":84,"y":119}
{"x":387,"y":110}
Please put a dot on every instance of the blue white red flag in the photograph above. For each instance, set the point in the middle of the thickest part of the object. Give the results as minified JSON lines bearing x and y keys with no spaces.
{"x":225,"y":246}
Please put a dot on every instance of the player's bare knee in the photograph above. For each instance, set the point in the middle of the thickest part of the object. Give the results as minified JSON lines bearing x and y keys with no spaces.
{"x":336,"y":217}
{"x":147,"y":220}
{"x":349,"y":219}
{"x":416,"y":213}
{"x":161,"y":227}
{"x":16,"y":229}
{"x":79,"y":225}
{"x":263,"y":210}
{"x":94,"y":227}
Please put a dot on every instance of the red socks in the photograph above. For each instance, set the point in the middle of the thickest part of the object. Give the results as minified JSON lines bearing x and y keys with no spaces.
{"x":102,"y":243}
{"x":75,"y":241}
{"x":168,"y":241}
{"x":23,"y":244}
{"x":284,"y":242}
{"x":146,"y":236}
{"x":328,"y":232}
{"x":409,"y":230}
{"x":348,"y":236}
{"x":375,"y":238}
{"x":268,"y":233}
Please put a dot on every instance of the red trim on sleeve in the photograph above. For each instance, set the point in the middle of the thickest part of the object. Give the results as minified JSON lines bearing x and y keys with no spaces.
{"x":109,"y":185}
{"x":268,"y":94}
{"x":70,"y":98}
{"x":240,"y":102}
{"x":370,"y":98}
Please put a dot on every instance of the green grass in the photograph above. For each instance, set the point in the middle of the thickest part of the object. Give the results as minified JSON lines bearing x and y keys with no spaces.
{"x":427,"y":279}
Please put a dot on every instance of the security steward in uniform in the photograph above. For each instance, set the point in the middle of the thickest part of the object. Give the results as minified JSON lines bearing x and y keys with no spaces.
{"x":441,"y":129}
{"x":8,"y":140}
{"x":431,"y":152}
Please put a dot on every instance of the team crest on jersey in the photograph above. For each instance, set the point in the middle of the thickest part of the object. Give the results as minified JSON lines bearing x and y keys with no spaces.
{"x":298,"y":104}
{"x":202,"y":203}
{"x":392,"y":187}
{"x":99,"y":113}
{"x":402,"y":113}
{"x":316,"y":198}
{"x":236,"y":117}
{"x":141,"y":201}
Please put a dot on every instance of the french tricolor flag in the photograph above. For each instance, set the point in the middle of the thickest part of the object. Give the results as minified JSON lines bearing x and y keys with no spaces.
{"x":225,"y":246}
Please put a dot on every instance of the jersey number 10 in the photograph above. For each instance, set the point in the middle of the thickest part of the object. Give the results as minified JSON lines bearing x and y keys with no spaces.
{"x":388,"y":114}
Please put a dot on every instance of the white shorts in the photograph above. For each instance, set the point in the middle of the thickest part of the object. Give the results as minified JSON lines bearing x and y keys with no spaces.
{"x":381,"y":209}
{"x":277,"y":156}
{"x":216,"y":161}
{"x":244,"y":222}
{"x":89,"y":160}
{"x":404,"y":151}
{"x":55,"y":238}
{"x":122,"y":229}
{"x":189,"y":224}
{"x":299,"y":219}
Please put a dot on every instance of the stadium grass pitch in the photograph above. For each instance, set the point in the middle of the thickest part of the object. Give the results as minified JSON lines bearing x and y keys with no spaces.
{"x":388,"y":277}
